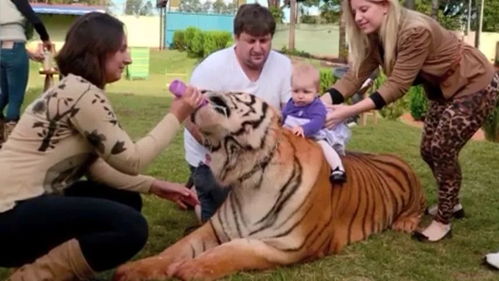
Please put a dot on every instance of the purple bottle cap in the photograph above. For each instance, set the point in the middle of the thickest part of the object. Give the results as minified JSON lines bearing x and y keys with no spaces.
{"x":177,"y":87}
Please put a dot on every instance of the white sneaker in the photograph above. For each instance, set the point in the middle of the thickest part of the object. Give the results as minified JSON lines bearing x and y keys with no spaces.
{"x":493,"y":259}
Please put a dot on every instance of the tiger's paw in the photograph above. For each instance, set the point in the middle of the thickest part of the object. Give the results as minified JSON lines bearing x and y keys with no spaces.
{"x":142,"y":270}
{"x":406,"y":224}
{"x":192,"y":270}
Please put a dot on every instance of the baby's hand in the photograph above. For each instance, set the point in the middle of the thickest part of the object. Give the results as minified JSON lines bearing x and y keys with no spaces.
{"x":298,"y":131}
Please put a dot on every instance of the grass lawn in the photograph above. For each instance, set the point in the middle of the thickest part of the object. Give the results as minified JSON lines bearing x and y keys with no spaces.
{"x":386,"y":256}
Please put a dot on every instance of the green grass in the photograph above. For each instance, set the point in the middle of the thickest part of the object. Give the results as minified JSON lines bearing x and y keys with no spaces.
{"x":386,"y":256}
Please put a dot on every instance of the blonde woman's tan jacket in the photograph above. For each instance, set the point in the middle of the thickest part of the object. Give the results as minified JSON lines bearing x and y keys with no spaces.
{"x":430,"y":55}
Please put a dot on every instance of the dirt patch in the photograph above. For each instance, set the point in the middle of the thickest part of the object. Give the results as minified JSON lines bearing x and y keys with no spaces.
{"x":407,"y":119}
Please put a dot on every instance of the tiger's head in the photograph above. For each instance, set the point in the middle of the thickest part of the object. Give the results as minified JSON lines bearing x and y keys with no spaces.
{"x":236,"y":127}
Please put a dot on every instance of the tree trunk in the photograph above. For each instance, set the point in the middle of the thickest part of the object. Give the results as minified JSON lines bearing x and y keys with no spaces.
{"x":272,"y":4}
{"x":496,"y":61}
{"x":434,"y":9}
{"x":343,"y":50}
{"x":480,"y":24}
{"x":292,"y":23}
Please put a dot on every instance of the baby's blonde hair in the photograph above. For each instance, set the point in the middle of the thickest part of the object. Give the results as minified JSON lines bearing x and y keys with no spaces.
{"x":309,"y":71}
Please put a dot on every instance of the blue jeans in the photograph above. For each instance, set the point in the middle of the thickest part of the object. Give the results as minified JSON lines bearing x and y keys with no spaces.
{"x":14,"y":70}
{"x":210,"y":194}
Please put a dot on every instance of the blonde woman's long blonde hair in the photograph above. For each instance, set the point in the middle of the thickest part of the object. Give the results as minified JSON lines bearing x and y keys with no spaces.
{"x":359,"y":44}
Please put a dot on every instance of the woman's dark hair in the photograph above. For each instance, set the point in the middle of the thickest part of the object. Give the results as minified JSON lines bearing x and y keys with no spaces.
{"x":254,"y":20}
{"x":88,"y":42}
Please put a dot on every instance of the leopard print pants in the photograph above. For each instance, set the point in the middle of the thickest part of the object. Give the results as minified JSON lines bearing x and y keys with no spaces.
{"x":448,"y":126}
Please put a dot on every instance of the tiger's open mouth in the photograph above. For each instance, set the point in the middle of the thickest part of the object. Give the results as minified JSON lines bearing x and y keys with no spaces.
{"x":212,"y":114}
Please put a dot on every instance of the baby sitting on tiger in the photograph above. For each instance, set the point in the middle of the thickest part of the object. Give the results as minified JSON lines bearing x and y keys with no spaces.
{"x":305,"y":115}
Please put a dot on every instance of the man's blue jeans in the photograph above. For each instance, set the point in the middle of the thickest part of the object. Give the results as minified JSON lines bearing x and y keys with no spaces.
{"x":211,"y":195}
{"x":14,"y":71}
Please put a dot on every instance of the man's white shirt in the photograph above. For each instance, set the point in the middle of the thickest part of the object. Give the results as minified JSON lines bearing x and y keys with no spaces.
{"x":222,"y":72}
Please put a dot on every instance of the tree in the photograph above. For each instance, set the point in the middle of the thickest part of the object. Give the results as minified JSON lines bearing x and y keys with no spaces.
{"x":137,"y":7}
{"x":491,"y":16}
{"x":273,"y":4}
{"x":231,"y":8}
{"x":190,"y":6}
{"x":219,"y":7}
{"x":147,"y":9}
{"x":330,"y":11}
{"x":105,"y":3}
{"x":207,"y":6}
{"x":292,"y":26}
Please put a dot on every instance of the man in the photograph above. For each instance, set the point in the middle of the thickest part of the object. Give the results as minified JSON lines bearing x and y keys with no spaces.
{"x":248,"y":66}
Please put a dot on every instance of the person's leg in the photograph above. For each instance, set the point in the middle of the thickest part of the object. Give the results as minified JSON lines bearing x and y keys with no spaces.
{"x":334,"y":161}
{"x":109,"y":233}
{"x":4,"y":93}
{"x":17,"y":80}
{"x":210,"y":194}
{"x":4,"y":90}
{"x":98,"y":190}
{"x":432,"y":119}
{"x":462,"y":117}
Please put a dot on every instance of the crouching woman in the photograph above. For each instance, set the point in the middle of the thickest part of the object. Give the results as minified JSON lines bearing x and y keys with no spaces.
{"x":54,"y":225}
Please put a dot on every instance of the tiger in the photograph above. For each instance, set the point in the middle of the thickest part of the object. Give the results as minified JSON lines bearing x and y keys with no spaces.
{"x":282,"y":208}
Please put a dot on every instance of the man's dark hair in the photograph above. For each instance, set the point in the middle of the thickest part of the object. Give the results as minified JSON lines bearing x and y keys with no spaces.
{"x":254,"y":20}
{"x":89,"y":41}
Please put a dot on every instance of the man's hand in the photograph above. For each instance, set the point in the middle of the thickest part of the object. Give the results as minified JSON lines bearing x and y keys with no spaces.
{"x":175,"y":192}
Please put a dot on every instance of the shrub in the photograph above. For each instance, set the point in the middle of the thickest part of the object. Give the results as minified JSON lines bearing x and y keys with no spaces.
{"x":214,"y":41}
{"x":491,"y":125}
{"x":196,"y":45}
{"x":210,"y":44}
{"x":418,"y":103}
{"x":326,"y":79}
{"x":396,"y":108}
{"x":295,"y":52}
{"x":179,"y":40}
{"x":188,"y":36}
{"x":308,"y":19}
{"x":200,"y":44}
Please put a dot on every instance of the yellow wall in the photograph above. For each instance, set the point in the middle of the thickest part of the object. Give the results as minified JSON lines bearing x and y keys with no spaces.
{"x":488,"y":41}
{"x":142,"y":31}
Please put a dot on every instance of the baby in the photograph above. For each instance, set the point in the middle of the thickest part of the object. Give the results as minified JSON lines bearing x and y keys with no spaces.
{"x":305,"y":115}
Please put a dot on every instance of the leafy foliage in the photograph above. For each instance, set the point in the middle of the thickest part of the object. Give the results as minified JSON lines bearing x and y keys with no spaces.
{"x":277,"y":13}
{"x":190,"y":6}
{"x":138,"y":7}
{"x":418,"y":104}
{"x":200,"y":44}
{"x":395,"y":109}
{"x":179,"y":41}
{"x":295,"y":52}
{"x":327,"y":79}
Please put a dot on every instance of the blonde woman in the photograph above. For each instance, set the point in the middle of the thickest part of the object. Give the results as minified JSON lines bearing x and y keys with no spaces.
{"x":459,"y":81}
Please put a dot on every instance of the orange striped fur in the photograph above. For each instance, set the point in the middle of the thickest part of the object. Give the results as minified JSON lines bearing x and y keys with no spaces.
{"x":282,"y":208}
